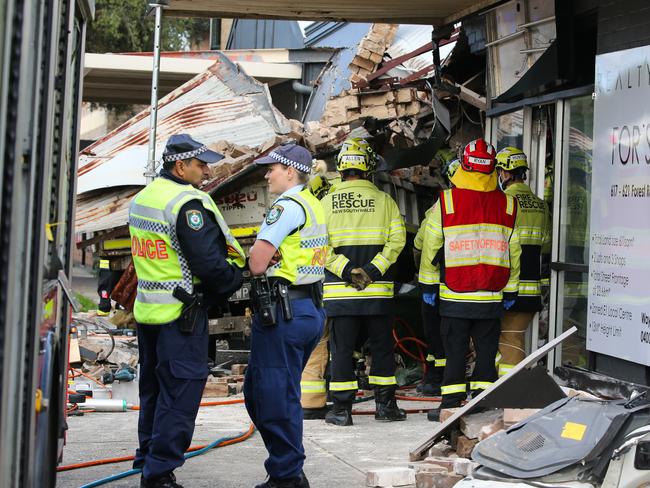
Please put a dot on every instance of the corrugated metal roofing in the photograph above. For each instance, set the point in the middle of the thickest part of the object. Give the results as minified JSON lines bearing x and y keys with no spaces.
{"x":223,"y":103}
{"x":103,"y":210}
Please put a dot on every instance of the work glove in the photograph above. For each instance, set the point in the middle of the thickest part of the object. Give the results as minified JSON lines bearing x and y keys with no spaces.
{"x":429,"y":298}
{"x":509,"y":300}
{"x":360,"y":278}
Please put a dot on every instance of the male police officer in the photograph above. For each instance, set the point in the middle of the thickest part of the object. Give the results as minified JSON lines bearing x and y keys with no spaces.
{"x":366,"y":234}
{"x":288,"y":261}
{"x":185,"y":258}
{"x":478,"y":276}
{"x":535,"y":236}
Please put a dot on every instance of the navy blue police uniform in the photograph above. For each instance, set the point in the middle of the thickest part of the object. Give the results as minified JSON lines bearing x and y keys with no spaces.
{"x":173,"y":364}
{"x":280,"y":352}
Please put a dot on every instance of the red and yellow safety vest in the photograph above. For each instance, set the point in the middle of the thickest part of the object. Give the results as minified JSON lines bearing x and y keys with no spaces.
{"x":477,"y":227}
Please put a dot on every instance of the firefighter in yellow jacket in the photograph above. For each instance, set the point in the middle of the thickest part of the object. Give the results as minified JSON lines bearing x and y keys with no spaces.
{"x":366,"y":235}
{"x":436,"y":359}
{"x":470,"y":258}
{"x":535,"y":238}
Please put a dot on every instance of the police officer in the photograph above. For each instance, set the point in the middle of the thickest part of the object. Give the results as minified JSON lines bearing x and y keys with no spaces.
{"x":478,"y":275}
{"x":185,"y":258}
{"x":366,"y":234}
{"x":535,"y":237}
{"x":436,"y":359}
{"x":288,"y":260}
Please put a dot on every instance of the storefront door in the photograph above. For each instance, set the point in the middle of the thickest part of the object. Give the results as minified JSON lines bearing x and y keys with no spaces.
{"x":571,"y":199}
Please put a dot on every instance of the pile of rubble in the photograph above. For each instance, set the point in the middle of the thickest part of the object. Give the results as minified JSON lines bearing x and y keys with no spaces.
{"x":371,"y":50}
{"x":227,"y":385}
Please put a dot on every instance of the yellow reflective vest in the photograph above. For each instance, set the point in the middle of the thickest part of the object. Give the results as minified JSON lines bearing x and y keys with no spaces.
{"x":158,"y":259}
{"x":534,"y":223}
{"x":364,"y":227}
{"x":304,"y":252}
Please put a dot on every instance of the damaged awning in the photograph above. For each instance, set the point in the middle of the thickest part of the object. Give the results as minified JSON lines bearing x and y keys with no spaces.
{"x":543,"y":76}
{"x":126,"y":78}
{"x":221,"y":106}
{"x":433,"y":12}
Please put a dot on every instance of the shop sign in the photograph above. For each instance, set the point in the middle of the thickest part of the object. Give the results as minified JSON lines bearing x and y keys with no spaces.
{"x":618,"y":321}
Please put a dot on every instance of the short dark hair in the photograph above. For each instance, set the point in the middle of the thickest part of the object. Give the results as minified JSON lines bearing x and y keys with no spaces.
{"x":169,"y":164}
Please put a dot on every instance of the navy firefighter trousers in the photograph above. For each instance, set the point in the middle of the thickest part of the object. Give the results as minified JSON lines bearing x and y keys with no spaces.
{"x":279,"y":353}
{"x":173,"y":372}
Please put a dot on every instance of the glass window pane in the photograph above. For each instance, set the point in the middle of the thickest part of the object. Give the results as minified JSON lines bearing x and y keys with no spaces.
{"x":574,"y":226}
{"x":510,"y":130}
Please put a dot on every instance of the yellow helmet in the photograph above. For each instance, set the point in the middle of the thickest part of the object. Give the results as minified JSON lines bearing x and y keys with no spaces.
{"x":357,"y":154}
{"x":511,"y":158}
{"x":450,"y":168}
{"x":319,"y":186}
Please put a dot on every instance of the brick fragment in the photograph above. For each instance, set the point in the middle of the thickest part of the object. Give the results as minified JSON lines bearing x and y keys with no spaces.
{"x":465,"y":446}
{"x":388,"y":477}
{"x":511,"y":416}
{"x":436,"y":480}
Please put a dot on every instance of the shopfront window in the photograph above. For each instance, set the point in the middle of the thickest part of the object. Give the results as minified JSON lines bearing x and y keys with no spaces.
{"x":510,"y":130}
{"x":574,"y":207}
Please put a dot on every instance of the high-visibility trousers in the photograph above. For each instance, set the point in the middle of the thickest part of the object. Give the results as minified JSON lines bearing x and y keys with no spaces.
{"x":313,"y":387}
{"x":512,"y":343}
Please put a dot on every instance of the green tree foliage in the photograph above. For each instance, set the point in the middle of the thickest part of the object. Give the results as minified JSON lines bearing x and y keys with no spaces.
{"x":123,"y":26}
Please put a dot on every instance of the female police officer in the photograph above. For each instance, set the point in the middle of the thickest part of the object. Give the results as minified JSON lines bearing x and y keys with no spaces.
{"x":287,"y":262}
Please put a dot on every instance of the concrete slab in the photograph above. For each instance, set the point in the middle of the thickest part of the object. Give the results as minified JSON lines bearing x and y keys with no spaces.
{"x":336,"y":456}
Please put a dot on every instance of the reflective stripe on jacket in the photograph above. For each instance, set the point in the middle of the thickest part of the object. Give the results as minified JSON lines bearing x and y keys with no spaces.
{"x":534,"y":234}
{"x":364,"y":227}
{"x":157,"y":256}
{"x":469,"y":304}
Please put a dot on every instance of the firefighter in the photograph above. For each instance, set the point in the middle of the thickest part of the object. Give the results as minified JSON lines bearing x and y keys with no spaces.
{"x":366,"y":234}
{"x":313,"y":385}
{"x":535,"y":238}
{"x":186,"y":259}
{"x":107,"y":280}
{"x":288,"y":260}
{"x":436,"y":359}
{"x":470,"y":270}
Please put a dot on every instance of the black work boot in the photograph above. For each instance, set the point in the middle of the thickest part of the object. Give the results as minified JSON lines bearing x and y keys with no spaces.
{"x":298,"y":482}
{"x":314,"y":413}
{"x":433,"y":415}
{"x":341,"y":414}
{"x":166,"y":481}
{"x":386,"y":405}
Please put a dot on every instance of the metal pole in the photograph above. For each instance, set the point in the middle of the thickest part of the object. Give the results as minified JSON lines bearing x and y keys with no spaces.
{"x":150,"y":170}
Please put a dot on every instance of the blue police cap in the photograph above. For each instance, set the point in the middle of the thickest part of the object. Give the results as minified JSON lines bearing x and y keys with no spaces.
{"x":182,"y":146}
{"x":289,"y":155}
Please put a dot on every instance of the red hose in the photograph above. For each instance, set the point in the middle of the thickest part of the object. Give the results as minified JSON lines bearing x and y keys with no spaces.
{"x":99,"y":462}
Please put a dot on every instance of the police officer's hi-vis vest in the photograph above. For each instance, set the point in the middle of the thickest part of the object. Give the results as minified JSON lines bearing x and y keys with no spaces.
{"x":304,"y":251}
{"x":159,"y":262}
{"x":477,"y":227}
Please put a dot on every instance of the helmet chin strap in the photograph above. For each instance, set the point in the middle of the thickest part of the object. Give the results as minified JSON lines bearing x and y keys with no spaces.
{"x":503,"y":184}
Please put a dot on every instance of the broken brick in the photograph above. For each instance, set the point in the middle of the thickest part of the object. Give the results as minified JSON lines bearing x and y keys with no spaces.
{"x":388,"y":477}
{"x":464,"y":466}
{"x":443,"y":462}
{"x":238,"y":369}
{"x":445,"y":413}
{"x":465,"y":446}
{"x":511,"y":416}
{"x":472,"y":424}
{"x":363,"y":63}
{"x":436,"y":480}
